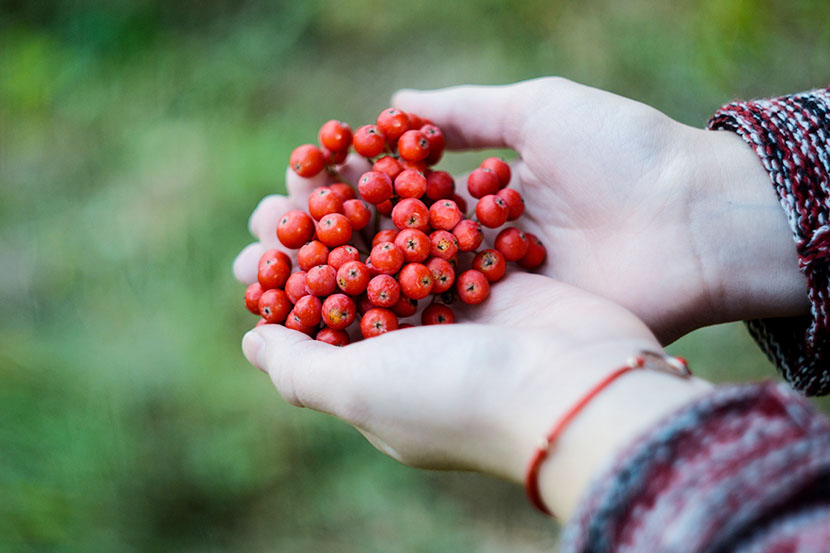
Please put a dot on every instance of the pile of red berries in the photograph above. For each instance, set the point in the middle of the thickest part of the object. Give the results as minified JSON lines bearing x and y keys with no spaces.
{"x":421,"y":258}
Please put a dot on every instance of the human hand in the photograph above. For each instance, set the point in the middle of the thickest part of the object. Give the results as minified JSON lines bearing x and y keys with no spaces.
{"x":679,"y":225}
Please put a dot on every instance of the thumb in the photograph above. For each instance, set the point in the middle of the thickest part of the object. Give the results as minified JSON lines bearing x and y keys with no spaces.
{"x":470,"y":116}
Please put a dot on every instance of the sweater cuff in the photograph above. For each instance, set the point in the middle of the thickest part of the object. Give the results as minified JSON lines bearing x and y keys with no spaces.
{"x":722,"y":472}
{"x":791,"y":135}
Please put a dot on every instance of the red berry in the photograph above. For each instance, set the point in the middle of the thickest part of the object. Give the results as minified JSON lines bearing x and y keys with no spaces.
{"x":252,"y":294}
{"x":443,"y":244}
{"x":312,"y":254}
{"x":440,"y":185}
{"x":473,"y":287}
{"x":482,"y":182}
{"x":383,"y":291}
{"x":334,"y":337}
{"x":461,"y":202}
{"x":274,"y":306}
{"x":334,"y":230}
{"x":368,"y":141}
{"x":293,"y":322}
{"x":386,"y":235}
{"x":417,"y":121}
{"x":413,"y":146}
{"x":357,"y":213}
{"x":411,"y":213}
{"x":388,"y":165}
{"x":385,"y":208}
{"x":344,"y":191}
{"x":444,"y":215}
{"x":410,"y":184}
{"x":491,"y":211}
{"x":321,"y":280}
{"x":402,"y":326}
{"x":406,"y":307}
{"x":335,"y":135}
{"x":512,"y":243}
{"x":295,"y":229}
{"x":515,"y":202}
{"x":443,"y":274}
{"x":273,"y":270}
{"x":436,"y":143}
{"x":437,"y":314}
{"x":363,"y":304}
{"x":353,"y":277}
{"x":295,"y":286}
{"x":469,"y":235}
{"x":308,"y":310}
{"x":334,"y":157}
{"x":491,"y":263}
{"x":378,"y":321}
{"x":536,"y":253}
{"x":414,"y":244}
{"x":393,"y":123}
{"x":339,"y":311}
{"x":415,"y":281}
{"x":499,"y":168}
{"x":341,"y":255}
{"x":375,"y":187}
{"x":419,"y":166}
{"x":323,"y":201}
{"x":386,"y":258}
{"x":307,"y":160}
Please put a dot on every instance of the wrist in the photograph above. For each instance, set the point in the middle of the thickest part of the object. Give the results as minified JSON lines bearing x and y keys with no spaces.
{"x":744,"y":245}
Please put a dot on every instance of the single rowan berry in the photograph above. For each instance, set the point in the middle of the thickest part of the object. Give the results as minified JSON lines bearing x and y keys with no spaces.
{"x":273,"y":270}
{"x":321,"y":280}
{"x":385,"y":208}
{"x":482,"y":182}
{"x":386,"y":235}
{"x":437,"y":314}
{"x":334,"y":337}
{"x":252,"y":294}
{"x":353,"y":277}
{"x":512,"y":243}
{"x":386,"y":258}
{"x":339,"y":311}
{"x":295,"y":286}
{"x":357,"y":213}
{"x":536,"y":253}
{"x":440,"y":185}
{"x":472,"y":286}
{"x":443,"y":274}
{"x":334,"y":157}
{"x":469,"y":235}
{"x":444,"y":215}
{"x":363,"y":304}
{"x":499,"y":168}
{"x":368,"y":141}
{"x":491,"y":263}
{"x":411,"y":213}
{"x":491,"y":211}
{"x":295,"y":229}
{"x":410,"y":184}
{"x":515,"y":202}
{"x":307,"y":160}
{"x":443,"y":244}
{"x":274,"y":305}
{"x":344,"y":191}
{"x":402,"y":326}
{"x":293,"y":322}
{"x":406,"y":307}
{"x":335,"y":135}
{"x":436,"y":143}
{"x":309,"y":310}
{"x":375,"y":187}
{"x":388,"y":165}
{"x":312,"y":254}
{"x":334,"y":230}
{"x":383,"y":291}
{"x":419,"y":166}
{"x":342,"y":254}
{"x":413,"y":146}
{"x":414,"y":243}
{"x":393,"y":123}
{"x":461,"y":202}
{"x":377,"y":321}
{"x":415,"y":281}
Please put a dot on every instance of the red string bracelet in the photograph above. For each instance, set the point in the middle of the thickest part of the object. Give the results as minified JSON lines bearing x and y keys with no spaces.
{"x":673,"y":365}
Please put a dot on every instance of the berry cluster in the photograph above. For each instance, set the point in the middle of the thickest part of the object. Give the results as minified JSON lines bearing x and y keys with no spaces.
{"x":421,"y":258}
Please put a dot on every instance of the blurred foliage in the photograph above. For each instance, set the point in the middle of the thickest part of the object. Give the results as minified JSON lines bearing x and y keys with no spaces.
{"x":136,"y":137}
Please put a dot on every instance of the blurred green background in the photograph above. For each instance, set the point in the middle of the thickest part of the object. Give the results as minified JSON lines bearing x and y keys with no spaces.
{"x":135,"y":139}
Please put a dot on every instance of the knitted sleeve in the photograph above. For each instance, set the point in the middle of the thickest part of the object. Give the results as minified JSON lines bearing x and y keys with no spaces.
{"x":791,"y":135}
{"x":745,"y":469}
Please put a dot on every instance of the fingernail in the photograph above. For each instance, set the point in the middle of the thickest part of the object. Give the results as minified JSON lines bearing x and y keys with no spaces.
{"x":252,"y":344}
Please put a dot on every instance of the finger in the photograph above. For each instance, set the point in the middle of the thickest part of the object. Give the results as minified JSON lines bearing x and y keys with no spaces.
{"x":245,"y":264}
{"x":353,"y":168}
{"x":299,"y":187}
{"x":264,"y":219}
{"x":470,"y":116}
